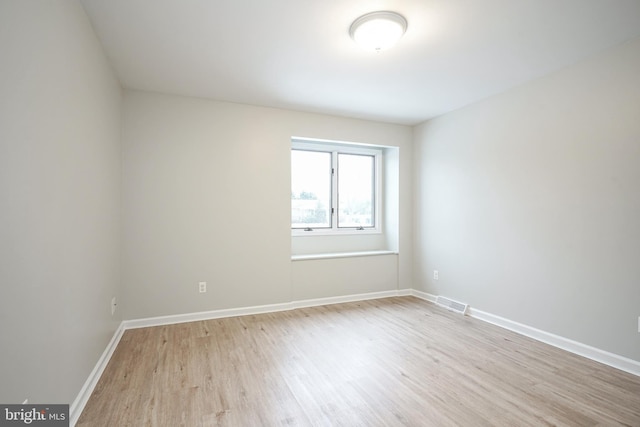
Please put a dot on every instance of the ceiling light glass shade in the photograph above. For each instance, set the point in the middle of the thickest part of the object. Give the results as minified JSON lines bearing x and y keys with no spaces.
{"x":378,"y":30}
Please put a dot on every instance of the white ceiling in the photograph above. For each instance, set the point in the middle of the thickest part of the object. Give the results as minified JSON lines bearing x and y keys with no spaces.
{"x":297,"y":54}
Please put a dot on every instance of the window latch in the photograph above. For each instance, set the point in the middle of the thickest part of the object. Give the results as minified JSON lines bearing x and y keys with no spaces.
{"x":308,"y":229}
{"x":360,"y":228}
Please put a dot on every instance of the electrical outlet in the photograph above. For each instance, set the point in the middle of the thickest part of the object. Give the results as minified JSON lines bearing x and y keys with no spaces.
{"x":113,"y":305}
{"x":435,"y":274}
{"x":203,"y":287}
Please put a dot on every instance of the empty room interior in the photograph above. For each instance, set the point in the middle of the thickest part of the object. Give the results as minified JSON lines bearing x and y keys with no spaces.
{"x":263,"y":212}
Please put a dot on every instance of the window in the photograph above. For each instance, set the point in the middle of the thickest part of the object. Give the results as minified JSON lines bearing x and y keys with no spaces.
{"x":334,"y":188}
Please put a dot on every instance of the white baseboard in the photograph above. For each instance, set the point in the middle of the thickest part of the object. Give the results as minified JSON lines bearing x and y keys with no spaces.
{"x":346,"y":298}
{"x":75,"y":409}
{"x":205,"y":315}
{"x":614,"y":360}
{"x":423,"y":295}
{"x":584,"y":350}
{"x":259,"y":309}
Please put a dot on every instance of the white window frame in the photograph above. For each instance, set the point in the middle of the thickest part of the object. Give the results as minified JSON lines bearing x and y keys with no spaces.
{"x":336,"y":147}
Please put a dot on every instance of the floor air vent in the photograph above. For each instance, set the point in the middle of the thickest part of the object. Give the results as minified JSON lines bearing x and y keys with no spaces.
{"x":452,"y":305}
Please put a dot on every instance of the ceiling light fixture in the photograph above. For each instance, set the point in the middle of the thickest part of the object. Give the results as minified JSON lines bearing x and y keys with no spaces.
{"x":378,"y":30}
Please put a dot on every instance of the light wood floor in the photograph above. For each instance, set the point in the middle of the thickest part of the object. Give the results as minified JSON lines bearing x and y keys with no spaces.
{"x":388,"y":362}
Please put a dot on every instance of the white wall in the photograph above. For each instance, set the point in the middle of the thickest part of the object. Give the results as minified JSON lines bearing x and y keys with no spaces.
{"x":528,"y":203}
{"x":207,"y":198}
{"x":59,"y":200}
{"x":330,"y":277}
{"x":324,"y":278}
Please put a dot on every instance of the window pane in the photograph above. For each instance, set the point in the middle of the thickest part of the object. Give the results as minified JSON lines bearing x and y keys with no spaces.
{"x":355,"y":190}
{"x":310,"y":189}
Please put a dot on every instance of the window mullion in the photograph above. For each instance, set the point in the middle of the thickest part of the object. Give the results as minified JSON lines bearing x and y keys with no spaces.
{"x":334,"y":190}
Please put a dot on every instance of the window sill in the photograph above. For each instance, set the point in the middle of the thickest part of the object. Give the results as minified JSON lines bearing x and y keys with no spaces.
{"x":341,"y":255}
{"x":329,"y":232}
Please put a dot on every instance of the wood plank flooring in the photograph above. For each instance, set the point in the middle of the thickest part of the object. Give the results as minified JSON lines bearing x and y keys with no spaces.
{"x":388,"y":362}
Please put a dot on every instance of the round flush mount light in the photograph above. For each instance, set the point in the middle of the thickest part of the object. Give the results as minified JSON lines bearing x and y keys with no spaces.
{"x":378,"y":30}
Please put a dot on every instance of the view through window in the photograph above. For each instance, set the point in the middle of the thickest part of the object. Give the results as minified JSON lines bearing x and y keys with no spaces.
{"x":333,"y":188}
{"x":311,"y":178}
